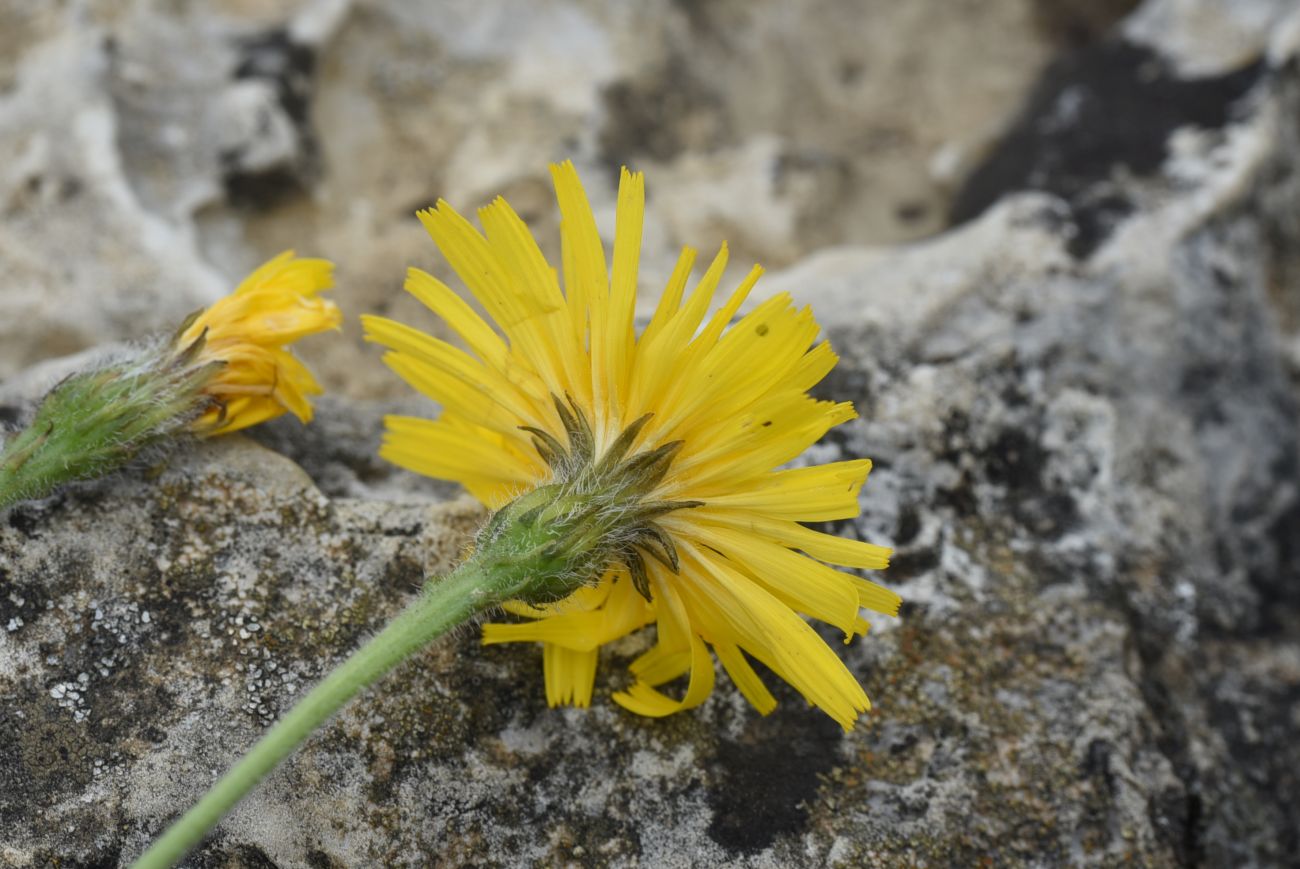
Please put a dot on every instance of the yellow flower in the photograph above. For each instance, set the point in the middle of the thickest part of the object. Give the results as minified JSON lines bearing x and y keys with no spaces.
{"x":249,"y":331}
{"x":726,"y":403}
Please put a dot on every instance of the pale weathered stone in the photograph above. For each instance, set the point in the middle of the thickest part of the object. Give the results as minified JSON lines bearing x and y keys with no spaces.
{"x":1081,"y":402}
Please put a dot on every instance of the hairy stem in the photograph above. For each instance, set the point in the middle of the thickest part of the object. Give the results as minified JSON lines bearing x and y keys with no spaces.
{"x":541,"y":547}
{"x":441,"y":606}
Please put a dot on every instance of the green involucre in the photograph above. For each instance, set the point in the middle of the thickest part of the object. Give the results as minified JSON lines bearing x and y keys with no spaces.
{"x":94,"y":422}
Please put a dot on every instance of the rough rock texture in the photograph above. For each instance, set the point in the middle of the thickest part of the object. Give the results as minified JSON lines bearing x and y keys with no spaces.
{"x":152,"y":153}
{"x":1082,"y":403}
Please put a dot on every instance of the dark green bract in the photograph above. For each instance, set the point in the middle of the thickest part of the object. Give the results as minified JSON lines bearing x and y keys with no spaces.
{"x":598,"y":512}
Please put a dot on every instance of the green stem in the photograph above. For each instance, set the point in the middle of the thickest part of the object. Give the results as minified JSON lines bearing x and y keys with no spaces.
{"x":532,"y":549}
{"x":441,"y":606}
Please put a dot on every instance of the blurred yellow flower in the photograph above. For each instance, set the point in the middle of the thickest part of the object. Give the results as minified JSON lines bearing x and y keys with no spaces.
{"x":249,"y":331}
{"x":725,"y":403}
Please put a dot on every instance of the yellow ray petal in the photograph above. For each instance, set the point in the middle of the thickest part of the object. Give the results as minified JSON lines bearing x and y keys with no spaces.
{"x":586,"y":277}
{"x":443,"y":301}
{"x":740,"y":671}
{"x":823,"y":547}
{"x":671,"y":655}
{"x":439,"y":448}
{"x":569,"y":675}
{"x":645,"y":700}
{"x":814,"y":366}
{"x":657,"y":371}
{"x":769,"y":443}
{"x":616,"y":342}
{"x":517,"y":251}
{"x":248,"y":332}
{"x":671,"y":298}
{"x":587,"y":598}
{"x":754,"y":359}
{"x":522,"y":316}
{"x":623,"y":612}
{"x":709,"y":334}
{"x":432,"y":362}
{"x":820,"y":493}
{"x":777,"y":637}
{"x":801,"y":583}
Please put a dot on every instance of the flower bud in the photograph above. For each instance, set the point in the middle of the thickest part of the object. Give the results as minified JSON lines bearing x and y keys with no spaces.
{"x":226,"y":368}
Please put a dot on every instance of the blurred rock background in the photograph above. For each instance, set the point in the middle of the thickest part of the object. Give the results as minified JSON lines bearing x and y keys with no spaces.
{"x":154,"y":152}
{"x":1055,"y":241}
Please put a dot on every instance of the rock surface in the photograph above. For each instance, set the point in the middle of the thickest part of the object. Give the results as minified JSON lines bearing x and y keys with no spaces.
{"x":1081,"y":401}
{"x":149,"y":158}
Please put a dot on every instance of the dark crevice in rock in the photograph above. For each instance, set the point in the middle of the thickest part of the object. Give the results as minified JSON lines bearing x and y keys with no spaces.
{"x":110,"y":858}
{"x":25,"y":520}
{"x":1074,"y":24}
{"x":909,"y":525}
{"x":1176,"y":815}
{"x":339,"y":450}
{"x":318,"y":859}
{"x":766,"y":778}
{"x":289,"y":67}
{"x":1016,"y":460}
{"x":1280,"y":221}
{"x":1235,"y":395}
{"x":259,"y":190}
{"x":659,"y":117}
{"x":1281,"y":586}
{"x":240,"y":856}
{"x":1096,"y":763}
{"x":1105,"y":111}
{"x":276,"y":57}
{"x":1239,"y":383}
{"x":914,"y":562}
{"x":1257,"y":720}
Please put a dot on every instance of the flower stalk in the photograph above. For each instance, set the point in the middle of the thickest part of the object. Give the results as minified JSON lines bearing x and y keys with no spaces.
{"x":442,"y":605}
{"x":541,"y":547}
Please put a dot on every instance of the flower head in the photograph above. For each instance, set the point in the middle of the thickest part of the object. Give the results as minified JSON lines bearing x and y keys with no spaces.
{"x":248,"y":333}
{"x":660,"y":456}
{"x":226,"y":368}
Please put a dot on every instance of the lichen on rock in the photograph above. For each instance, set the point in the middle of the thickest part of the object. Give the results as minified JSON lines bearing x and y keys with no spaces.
{"x":1081,"y":403}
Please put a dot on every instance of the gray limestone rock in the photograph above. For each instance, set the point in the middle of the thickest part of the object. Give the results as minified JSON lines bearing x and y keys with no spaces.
{"x":1082,"y":404}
